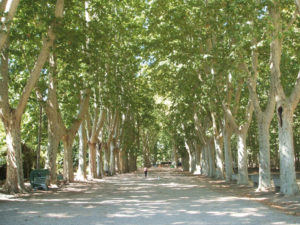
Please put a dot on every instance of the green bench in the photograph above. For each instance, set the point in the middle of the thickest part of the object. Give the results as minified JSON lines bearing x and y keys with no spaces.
{"x":40,"y":179}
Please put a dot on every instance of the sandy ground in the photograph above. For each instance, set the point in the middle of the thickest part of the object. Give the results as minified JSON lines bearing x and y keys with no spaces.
{"x":165,"y":197}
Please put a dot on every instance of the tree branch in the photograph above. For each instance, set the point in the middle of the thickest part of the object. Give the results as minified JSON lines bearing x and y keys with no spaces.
{"x":229,"y":92}
{"x":230,"y":117}
{"x":94,"y":134}
{"x":101,"y":121}
{"x":237,"y":97}
{"x":88,"y":124}
{"x":248,"y":117}
{"x":200,"y":132}
{"x":83,"y":109}
{"x":216,"y":131}
{"x":276,"y":50}
{"x":39,"y":94}
{"x":51,"y":106}
{"x":254,"y":98}
{"x":4,"y":103}
{"x":297,"y":2}
{"x":271,"y":101}
{"x":113,"y":126}
{"x":2,"y":5}
{"x":43,"y":56}
{"x":9,"y":8}
{"x":252,"y":82}
{"x":295,"y":96}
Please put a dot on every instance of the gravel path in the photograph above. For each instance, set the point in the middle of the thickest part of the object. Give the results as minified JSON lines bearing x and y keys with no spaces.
{"x":162,"y":198}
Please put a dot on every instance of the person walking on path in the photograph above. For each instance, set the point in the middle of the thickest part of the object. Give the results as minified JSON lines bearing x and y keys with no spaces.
{"x":145,"y":171}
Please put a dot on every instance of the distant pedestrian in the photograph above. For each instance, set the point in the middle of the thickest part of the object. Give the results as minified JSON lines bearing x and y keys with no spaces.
{"x":145,"y":171}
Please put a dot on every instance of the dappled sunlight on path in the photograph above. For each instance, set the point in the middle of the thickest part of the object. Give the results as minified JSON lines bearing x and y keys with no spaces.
{"x":163,"y":198}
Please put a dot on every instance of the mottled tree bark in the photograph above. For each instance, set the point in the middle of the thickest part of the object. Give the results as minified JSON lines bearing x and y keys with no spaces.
{"x":92,"y":160}
{"x":285,"y":107}
{"x":241,"y":132}
{"x":38,"y":149}
{"x":227,"y":133}
{"x":81,"y":172}
{"x":263,"y":119}
{"x":68,"y":159}
{"x":204,"y":160}
{"x":242,"y":157}
{"x":288,"y":183}
{"x":106,"y":158}
{"x":100,"y":169}
{"x":14,"y":173}
{"x":112,"y":165}
{"x":218,"y":143}
{"x":54,"y":138}
{"x":211,"y":158}
{"x":192,"y":157}
{"x":97,"y":126}
{"x":264,"y":156}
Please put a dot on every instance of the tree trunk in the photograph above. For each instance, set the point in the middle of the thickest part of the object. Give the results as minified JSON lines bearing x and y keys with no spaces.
{"x":264,"y":155}
{"x":192,"y":157}
{"x":106,"y":158}
{"x":14,"y":172}
{"x":204,"y":161}
{"x":132,"y":161}
{"x":242,"y":157}
{"x":175,"y":156}
{"x":154,"y":154}
{"x":68,"y":158}
{"x":98,"y":123}
{"x":81,"y":172}
{"x":92,"y":160}
{"x":126,"y":162}
{"x":53,"y":142}
{"x":241,"y":132}
{"x":288,"y":183}
{"x":55,"y":130}
{"x":122,"y":161}
{"x":38,"y":149}
{"x":218,"y":143}
{"x":227,"y":152}
{"x":185,"y":162}
{"x":98,"y":163}
{"x":146,"y":155}
{"x":117,"y":151}
{"x":100,"y":169}
{"x":197,"y":160}
{"x":285,"y":108}
{"x":112,"y":169}
{"x":219,"y":157}
{"x":69,"y":135}
{"x":192,"y":161}
{"x":263,"y":119}
{"x":211,"y":159}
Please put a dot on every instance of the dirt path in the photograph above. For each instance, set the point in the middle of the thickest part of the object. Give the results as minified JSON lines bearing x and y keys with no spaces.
{"x":162,"y":198}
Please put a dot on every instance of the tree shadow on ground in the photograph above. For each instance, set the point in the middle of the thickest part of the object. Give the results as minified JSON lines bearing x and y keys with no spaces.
{"x":162,"y":198}
{"x":274,"y":199}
